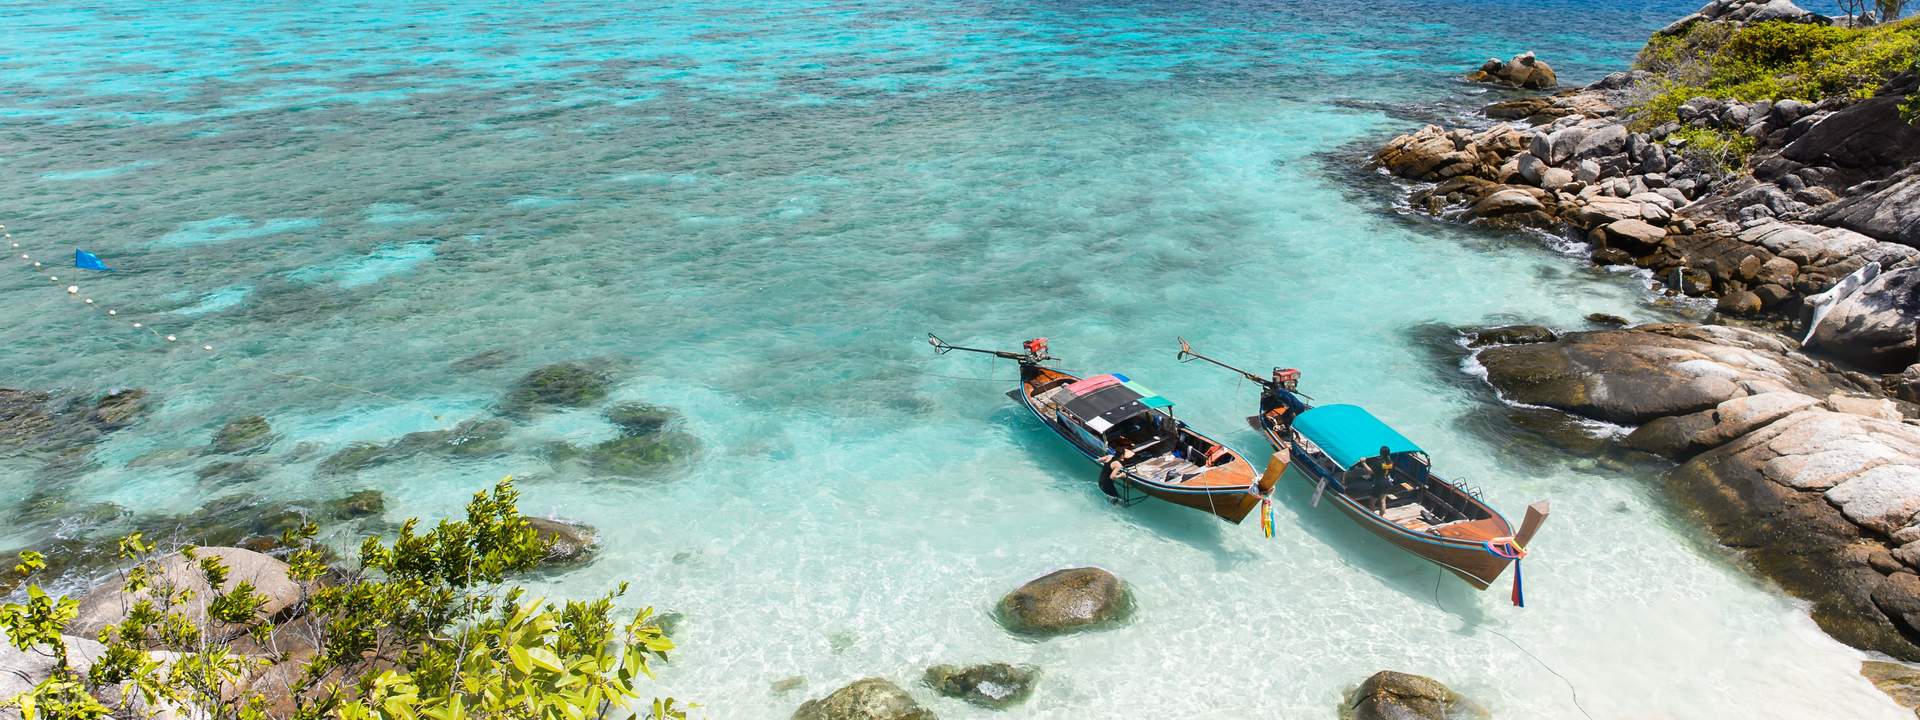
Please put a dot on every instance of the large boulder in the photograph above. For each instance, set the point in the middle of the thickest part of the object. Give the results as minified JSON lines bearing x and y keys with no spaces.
{"x":1389,"y":695}
{"x":1634,"y":375}
{"x":1808,"y":496}
{"x":110,"y":604}
{"x":1890,"y":212}
{"x":1869,"y":136}
{"x":993,"y":685}
{"x":1875,"y":327}
{"x":1523,"y":71}
{"x":869,"y":699}
{"x":1066,"y":601}
{"x":21,"y":670}
{"x":1430,"y":153}
{"x":1683,"y":436}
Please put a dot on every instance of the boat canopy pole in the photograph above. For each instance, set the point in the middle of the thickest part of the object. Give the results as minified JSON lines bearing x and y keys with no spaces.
{"x":1188,"y":355}
{"x":942,"y":347}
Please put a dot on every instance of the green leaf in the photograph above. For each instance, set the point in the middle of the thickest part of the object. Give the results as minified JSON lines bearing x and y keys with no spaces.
{"x":521,"y":660}
{"x":545,"y":659}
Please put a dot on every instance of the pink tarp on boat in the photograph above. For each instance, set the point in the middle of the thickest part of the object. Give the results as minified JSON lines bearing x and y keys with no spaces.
{"x":1088,"y":385}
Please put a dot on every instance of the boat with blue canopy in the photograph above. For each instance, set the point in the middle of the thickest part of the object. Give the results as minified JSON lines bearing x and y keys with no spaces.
{"x":1130,"y":432}
{"x":1385,"y":482}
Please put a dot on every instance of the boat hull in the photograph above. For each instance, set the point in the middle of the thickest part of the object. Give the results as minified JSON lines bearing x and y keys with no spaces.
{"x":1465,"y":554}
{"x":1230,"y":504}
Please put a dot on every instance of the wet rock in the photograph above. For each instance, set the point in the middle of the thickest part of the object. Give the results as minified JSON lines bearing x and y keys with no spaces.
{"x":1389,"y":695}
{"x":995,"y":685}
{"x":1900,"y":682}
{"x":163,"y":457}
{"x":638,"y":418}
{"x":1739,"y":302}
{"x":567,"y":543}
{"x":245,"y":436}
{"x":788,"y":684}
{"x":1510,"y":335}
{"x":1066,"y":601}
{"x":1875,"y":327}
{"x":562,"y":385}
{"x":359,"y":504}
{"x":640,"y":456}
{"x":40,"y":422}
{"x":1427,"y":154}
{"x":1523,"y":71}
{"x":1632,"y":376}
{"x":868,"y":699}
{"x":110,"y":604}
{"x":1607,"y":319}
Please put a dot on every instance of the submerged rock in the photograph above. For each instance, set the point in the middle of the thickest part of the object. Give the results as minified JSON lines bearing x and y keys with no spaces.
{"x":568,"y":543}
{"x":353,"y":458}
{"x":869,"y":699}
{"x":119,"y":408}
{"x":361,"y":503}
{"x":562,"y":385}
{"x":245,"y":436}
{"x":1389,"y":695}
{"x":638,"y":418}
{"x":232,"y":471}
{"x":485,"y":360}
{"x":1066,"y":601}
{"x":993,"y":685}
{"x":478,"y":438}
{"x":640,"y":456}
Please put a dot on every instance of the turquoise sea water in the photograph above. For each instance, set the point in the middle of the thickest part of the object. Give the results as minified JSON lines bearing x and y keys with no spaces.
{"x":753,"y":213}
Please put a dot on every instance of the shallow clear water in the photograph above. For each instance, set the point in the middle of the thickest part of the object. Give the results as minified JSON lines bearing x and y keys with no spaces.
{"x":754,"y":213}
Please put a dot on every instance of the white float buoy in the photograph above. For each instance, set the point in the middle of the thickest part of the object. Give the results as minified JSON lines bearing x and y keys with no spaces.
{"x":113,"y":312}
{"x":89,"y":301}
{"x":73,"y":289}
{"x":136,"y":324}
{"x":169,"y":338}
{"x":208,"y":348}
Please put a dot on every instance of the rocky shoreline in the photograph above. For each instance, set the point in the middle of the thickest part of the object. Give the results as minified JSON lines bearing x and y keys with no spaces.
{"x":1806,"y":460}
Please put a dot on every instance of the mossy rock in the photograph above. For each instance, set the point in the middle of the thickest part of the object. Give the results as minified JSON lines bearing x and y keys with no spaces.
{"x":639,"y":418}
{"x":568,"y":543}
{"x":562,"y":385}
{"x":641,"y":456}
{"x":245,"y":436}
{"x":119,"y":408}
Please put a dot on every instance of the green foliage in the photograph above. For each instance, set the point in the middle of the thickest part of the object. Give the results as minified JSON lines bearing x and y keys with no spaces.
{"x":1727,"y":151}
{"x":1771,"y":61}
{"x":421,"y":628}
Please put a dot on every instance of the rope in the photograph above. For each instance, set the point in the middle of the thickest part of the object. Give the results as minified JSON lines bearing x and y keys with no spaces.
{"x":1510,"y":549}
{"x":1572,"y":691}
{"x":74,"y":291}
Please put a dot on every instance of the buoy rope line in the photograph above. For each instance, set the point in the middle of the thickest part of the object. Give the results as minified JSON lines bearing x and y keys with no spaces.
{"x":1440,"y":575}
{"x":73,"y":291}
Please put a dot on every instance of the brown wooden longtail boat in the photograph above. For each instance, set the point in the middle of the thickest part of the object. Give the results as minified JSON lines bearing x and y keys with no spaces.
{"x":1127,"y":429}
{"x":1383,"y":481}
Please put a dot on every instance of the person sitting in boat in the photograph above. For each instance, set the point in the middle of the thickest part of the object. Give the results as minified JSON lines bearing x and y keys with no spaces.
{"x":1277,"y":396}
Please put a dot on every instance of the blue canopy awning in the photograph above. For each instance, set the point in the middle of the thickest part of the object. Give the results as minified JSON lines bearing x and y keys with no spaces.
{"x":1348,"y":433}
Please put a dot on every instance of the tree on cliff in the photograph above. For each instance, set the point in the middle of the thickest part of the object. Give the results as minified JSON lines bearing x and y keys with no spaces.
{"x":421,"y":627}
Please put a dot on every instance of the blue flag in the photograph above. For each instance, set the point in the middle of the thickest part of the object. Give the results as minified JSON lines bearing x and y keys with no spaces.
{"x":88,"y":261}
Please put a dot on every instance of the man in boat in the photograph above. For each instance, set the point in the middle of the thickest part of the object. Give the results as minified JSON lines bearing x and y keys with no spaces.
{"x":1277,"y":399}
{"x":1110,"y":467}
{"x":1382,"y":470}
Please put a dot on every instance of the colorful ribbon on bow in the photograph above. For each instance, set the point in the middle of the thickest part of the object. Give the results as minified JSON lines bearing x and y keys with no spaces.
{"x":1507,"y":547}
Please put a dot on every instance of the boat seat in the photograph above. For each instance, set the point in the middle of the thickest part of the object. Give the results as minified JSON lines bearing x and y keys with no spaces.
{"x":1160,"y":466}
{"x":1408,"y":516}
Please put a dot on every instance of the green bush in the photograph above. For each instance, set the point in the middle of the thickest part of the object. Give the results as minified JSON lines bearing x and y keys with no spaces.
{"x":1719,"y":150}
{"x":1770,"y":61}
{"x":421,"y":628}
